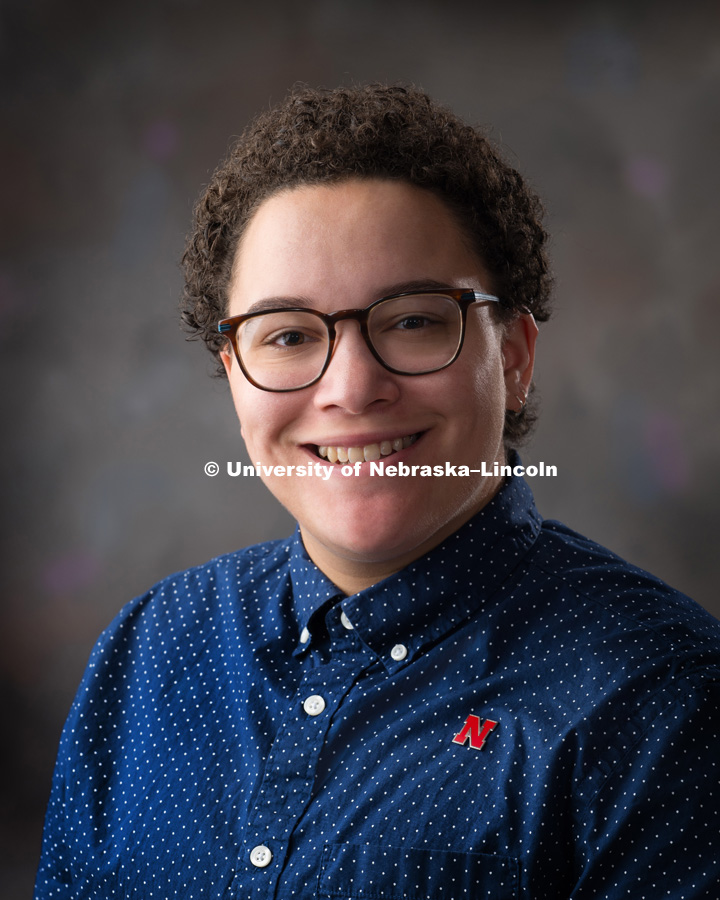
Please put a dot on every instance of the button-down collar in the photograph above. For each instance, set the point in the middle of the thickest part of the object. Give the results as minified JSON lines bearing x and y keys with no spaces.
{"x":422,"y":602}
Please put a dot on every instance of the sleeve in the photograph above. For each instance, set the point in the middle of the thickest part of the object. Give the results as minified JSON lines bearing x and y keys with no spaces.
{"x":68,"y":820}
{"x":53,"y":875}
{"x":652,"y":829}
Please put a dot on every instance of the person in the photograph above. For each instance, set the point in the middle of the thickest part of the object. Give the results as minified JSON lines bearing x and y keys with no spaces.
{"x":428,"y":690}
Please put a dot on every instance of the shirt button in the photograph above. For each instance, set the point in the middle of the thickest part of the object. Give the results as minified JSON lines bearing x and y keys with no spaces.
{"x":260,"y":856}
{"x":346,"y":622}
{"x":304,"y":636}
{"x":314,"y":705}
{"x":398,"y":652}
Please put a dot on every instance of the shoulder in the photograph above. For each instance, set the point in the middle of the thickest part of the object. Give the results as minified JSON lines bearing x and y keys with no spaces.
{"x":242,"y":567}
{"x":238,"y":572}
{"x":633,"y":662}
{"x":188,"y":607}
{"x":603,"y":584}
{"x":611,"y":632}
{"x":195,"y":627}
{"x":641,"y":647}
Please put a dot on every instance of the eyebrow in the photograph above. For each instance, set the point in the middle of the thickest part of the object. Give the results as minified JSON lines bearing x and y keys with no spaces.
{"x":402,"y":287}
{"x":278,"y":303}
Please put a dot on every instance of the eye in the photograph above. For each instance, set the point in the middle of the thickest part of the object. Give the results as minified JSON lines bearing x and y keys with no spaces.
{"x":412,"y":323}
{"x":417,"y":315}
{"x":289,"y":339}
{"x":283,"y":331}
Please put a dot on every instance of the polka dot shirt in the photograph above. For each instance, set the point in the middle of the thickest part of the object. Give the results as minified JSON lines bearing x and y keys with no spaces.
{"x":517,"y":714}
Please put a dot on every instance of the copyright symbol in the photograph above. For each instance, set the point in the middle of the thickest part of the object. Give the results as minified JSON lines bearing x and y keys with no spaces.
{"x":212,"y":468}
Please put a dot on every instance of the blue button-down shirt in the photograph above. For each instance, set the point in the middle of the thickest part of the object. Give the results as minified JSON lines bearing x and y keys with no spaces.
{"x":518,"y":713}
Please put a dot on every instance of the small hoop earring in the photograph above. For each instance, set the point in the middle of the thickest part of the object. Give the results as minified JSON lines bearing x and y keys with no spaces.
{"x":521,"y":398}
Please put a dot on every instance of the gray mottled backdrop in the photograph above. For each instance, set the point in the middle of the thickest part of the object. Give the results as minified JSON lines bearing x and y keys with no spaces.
{"x":113,"y":115}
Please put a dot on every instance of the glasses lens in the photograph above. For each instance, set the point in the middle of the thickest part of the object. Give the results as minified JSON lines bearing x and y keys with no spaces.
{"x":418,"y":333}
{"x":283,"y":350}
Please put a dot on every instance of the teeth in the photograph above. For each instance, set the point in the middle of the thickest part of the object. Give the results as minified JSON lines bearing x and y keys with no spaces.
{"x":368,"y":453}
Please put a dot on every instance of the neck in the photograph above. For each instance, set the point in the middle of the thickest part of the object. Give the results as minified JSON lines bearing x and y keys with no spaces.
{"x":353,"y":573}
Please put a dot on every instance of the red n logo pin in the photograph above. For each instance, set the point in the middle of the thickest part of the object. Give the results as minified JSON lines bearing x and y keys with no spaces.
{"x":474,"y":731}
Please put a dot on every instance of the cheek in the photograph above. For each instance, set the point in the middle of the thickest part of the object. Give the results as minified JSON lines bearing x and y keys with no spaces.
{"x":489,"y":384}
{"x":264,"y":417}
{"x":483,"y":364}
{"x":486,"y":396}
{"x":245,"y":409}
{"x":483,"y":376}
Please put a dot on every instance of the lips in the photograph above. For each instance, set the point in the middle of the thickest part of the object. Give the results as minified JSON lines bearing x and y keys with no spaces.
{"x":368,"y":452}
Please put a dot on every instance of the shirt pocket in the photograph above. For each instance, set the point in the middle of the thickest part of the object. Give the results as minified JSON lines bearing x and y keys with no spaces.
{"x":379,"y":872}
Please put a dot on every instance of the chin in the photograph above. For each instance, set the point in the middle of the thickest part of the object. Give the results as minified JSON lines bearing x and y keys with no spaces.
{"x":364,"y":551}
{"x":374,"y":537}
{"x":382,"y":521}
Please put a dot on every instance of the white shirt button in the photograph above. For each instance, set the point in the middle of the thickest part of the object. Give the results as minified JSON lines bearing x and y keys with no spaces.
{"x":346,"y":622}
{"x":398,"y":652}
{"x":304,"y":636}
{"x":260,"y":856}
{"x":314,"y":705}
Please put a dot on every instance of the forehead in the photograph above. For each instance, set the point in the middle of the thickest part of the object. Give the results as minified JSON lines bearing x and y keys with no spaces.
{"x":346,"y":244}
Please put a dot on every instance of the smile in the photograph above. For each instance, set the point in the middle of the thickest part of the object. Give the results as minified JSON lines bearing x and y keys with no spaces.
{"x":368,"y":453}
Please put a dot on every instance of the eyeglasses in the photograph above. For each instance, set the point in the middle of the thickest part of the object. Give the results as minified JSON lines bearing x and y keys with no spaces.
{"x":409,"y":334}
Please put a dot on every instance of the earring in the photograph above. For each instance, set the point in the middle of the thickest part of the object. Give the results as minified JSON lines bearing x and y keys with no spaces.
{"x":521,"y":398}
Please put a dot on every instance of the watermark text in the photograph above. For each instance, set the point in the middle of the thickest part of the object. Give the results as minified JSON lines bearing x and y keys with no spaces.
{"x":382,"y":469}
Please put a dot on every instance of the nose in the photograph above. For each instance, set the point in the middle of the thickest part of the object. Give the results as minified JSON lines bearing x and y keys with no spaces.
{"x":354,"y":379}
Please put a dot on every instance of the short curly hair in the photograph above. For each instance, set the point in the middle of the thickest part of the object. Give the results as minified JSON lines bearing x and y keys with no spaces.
{"x":318,"y":136}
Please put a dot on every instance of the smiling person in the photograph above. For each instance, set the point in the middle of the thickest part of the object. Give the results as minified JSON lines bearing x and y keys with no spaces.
{"x":428,"y":690}
{"x":328,"y":246}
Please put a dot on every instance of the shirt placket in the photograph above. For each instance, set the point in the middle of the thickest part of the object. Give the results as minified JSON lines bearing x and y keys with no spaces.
{"x":289,"y":775}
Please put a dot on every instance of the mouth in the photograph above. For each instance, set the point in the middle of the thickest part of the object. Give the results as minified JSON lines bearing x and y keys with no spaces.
{"x":368,"y":452}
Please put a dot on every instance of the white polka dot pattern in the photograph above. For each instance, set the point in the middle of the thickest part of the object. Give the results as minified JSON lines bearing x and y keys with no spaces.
{"x":233,"y":737}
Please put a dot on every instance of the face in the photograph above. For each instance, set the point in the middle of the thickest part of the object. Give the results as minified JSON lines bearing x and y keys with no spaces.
{"x":343,"y":246}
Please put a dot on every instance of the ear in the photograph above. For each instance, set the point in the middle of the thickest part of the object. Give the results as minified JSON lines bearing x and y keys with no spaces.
{"x":518,"y":353}
{"x":226,"y":358}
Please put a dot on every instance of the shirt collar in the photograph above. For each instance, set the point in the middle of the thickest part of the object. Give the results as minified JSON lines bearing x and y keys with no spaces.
{"x":436,"y":592}
{"x":312,"y":589}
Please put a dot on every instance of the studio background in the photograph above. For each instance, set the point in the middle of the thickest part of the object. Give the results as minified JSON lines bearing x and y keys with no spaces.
{"x":113,"y":116}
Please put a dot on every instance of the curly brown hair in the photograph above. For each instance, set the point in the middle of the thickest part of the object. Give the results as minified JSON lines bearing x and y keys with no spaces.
{"x":373,"y":131}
